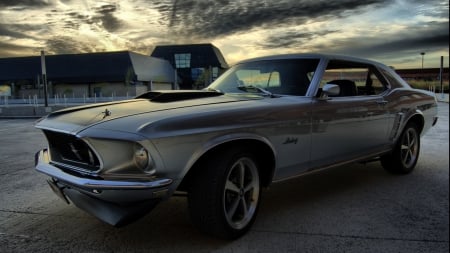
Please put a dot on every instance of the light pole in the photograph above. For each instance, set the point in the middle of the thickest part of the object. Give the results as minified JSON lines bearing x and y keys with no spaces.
{"x":423,"y":54}
{"x":44,"y":77}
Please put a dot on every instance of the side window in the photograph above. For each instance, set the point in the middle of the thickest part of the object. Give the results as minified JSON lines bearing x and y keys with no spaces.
{"x":393,"y":81}
{"x":375,"y":85}
{"x":354,"y":79}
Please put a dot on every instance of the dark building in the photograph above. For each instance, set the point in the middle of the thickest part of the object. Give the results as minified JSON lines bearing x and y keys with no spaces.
{"x":92,"y":74}
{"x":428,"y":74}
{"x":197,"y":65}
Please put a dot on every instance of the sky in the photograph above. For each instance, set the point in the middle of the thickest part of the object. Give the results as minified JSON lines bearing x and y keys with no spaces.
{"x":394,"y":32}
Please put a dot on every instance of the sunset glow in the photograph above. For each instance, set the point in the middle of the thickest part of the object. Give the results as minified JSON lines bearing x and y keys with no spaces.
{"x":394,"y":32}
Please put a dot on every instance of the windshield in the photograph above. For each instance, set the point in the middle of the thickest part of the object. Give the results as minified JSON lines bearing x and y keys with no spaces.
{"x":281,"y":77}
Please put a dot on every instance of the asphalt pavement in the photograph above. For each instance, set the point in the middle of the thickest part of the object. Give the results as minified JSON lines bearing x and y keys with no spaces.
{"x":354,"y":208}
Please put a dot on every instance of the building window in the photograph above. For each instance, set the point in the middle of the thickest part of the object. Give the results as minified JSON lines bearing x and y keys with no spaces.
{"x":196,"y":73}
{"x":182,"y":61}
{"x":215,"y":73}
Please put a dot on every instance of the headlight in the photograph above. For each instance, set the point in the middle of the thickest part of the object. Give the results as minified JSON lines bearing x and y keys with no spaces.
{"x":141,"y":158}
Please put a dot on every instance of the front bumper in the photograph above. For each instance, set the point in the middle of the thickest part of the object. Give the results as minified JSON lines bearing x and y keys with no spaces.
{"x":114,"y":202}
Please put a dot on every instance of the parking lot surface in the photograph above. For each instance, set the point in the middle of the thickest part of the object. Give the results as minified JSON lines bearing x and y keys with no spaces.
{"x":354,"y":208}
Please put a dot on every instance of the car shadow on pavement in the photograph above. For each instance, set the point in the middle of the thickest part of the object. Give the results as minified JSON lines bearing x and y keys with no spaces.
{"x":321,"y":203}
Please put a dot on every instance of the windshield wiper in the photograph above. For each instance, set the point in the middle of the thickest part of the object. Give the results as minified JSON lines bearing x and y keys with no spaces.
{"x":211,"y":89}
{"x":248,"y":88}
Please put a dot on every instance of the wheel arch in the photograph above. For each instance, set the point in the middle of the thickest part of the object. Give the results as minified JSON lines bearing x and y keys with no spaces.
{"x":264,"y":154}
{"x":418,"y":119}
{"x":397,"y":161}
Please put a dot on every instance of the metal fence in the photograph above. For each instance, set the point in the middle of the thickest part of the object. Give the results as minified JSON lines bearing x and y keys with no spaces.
{"x":58,"y":100}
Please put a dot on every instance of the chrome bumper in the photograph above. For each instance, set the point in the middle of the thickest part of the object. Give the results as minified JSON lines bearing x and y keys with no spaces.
{"x":43,"y":165}
{"x":115,"y":202}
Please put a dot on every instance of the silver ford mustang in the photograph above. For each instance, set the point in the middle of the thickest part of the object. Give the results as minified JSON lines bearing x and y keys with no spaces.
{"x":265,"y":120}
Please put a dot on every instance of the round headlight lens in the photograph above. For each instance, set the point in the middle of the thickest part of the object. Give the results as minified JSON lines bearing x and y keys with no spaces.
{"x":141,"y":159}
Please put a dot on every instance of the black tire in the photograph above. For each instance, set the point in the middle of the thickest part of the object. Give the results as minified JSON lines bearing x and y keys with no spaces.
{"x":404,"y":157}
{"x":225,"y":192}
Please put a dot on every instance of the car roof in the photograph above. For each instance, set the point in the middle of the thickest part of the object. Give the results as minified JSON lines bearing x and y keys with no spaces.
{"x":314,"y":56}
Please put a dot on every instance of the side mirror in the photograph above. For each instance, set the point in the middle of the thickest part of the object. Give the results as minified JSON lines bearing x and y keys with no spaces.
{"x":329,"y":90}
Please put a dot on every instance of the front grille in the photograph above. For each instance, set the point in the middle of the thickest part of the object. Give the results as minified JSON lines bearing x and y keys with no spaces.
{"x":71,"y":152}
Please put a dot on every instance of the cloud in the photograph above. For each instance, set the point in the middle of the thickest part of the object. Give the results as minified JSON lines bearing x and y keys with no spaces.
{"x":105,"y":14}
{"x":23,"y":3}
{"x":73,"y":20}
{"x":14,"y":50}
{"x":241,"y":29}
{"x":426,"y":37}
{"x":67,"y":45}
{"x":209,"y":19}
{"x":102,"y":16}
{"x":292,"y":39}
{"x":12,"y":31}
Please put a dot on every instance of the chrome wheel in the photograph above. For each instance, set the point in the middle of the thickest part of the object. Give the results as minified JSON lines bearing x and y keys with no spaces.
{"x":405,"y":154}
{"x":241,"y":193}
{"x":409,"y":148}
{"x":224,"y":192}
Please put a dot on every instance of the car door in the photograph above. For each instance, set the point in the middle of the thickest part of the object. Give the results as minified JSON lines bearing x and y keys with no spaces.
{"x":354,"y":123}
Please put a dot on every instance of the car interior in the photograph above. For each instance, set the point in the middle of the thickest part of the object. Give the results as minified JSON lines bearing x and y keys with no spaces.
{"x":354,"y":79}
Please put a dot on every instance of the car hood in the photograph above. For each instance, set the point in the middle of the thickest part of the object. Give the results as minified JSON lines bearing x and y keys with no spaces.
{"x":75,"y":119}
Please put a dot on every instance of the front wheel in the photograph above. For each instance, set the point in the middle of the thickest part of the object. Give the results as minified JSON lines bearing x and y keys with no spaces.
{"x":404,"y":157}
{"x":225,"y":193}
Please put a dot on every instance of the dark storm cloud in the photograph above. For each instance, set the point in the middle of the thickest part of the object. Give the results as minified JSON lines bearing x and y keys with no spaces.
{"x":292,"y":39}
{"x":107,"y":18}
{"x":207,"y":19}
{"x":74,"y":19}
{"x":66,"y":45}
{"x":15,"y":31}
{"x":435,"y":37}
{"x":428,"y":41}
{"x":28,"y":3}
{"x":12,"y":50}
{"x":104,"y":16}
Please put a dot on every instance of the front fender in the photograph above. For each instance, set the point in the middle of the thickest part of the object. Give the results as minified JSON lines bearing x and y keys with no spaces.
{"x":222,"y":140}
{"x":180,"y":160}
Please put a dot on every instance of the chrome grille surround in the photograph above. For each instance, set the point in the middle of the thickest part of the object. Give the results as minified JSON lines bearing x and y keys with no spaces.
{"x":70,"y":152}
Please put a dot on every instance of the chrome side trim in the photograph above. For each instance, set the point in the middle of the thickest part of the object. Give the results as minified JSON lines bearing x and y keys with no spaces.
{"x":338,"y":164}
{"x":43,"y":166}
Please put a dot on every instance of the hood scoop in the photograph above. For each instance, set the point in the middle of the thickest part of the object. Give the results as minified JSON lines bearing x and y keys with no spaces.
{"x":179,"y":95}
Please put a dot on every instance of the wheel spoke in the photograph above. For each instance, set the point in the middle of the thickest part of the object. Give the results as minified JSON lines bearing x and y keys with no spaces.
{"x":407,"y":156}
{"x":249,"y":186}
{"x":231,"y":186}
{"x":233,"y":208}
{"x":408,"y":136}
{"x":412,"y":142}
{"x":244,"y":207}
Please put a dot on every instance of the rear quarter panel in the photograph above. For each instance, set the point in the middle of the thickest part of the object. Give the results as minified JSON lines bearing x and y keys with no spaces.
{"x":406,"y":103}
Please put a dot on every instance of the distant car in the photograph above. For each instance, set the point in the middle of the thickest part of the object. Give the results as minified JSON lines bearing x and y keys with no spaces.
{"x":264,"y":120}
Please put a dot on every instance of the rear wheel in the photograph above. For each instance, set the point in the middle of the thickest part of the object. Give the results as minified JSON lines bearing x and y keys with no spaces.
{"x":224,"y":194}
{"x":404,"y":157}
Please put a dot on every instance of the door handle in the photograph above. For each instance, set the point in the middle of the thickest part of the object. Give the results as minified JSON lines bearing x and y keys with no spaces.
{"x":382,"y":102}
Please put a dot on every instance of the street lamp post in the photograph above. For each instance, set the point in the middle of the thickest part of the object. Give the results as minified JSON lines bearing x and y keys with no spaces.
{"x":423,"y":54}
{"x":44,"y":77}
